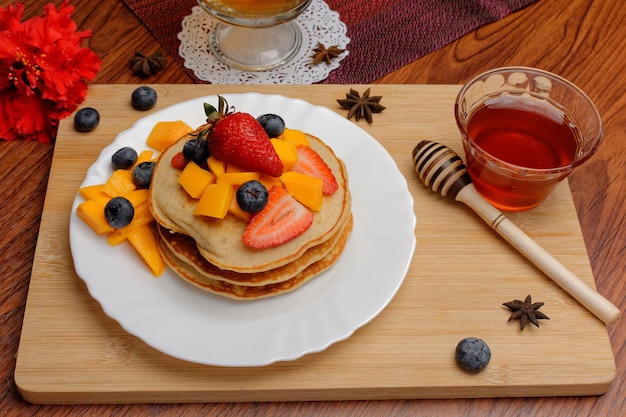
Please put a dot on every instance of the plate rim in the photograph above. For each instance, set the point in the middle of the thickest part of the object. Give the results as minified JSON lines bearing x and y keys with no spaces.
{"x":94,"y":171}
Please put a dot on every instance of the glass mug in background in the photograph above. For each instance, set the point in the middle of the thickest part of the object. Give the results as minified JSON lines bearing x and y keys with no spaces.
{"x":524,"y":130}
{"x":255,"y":35}
{"x":265,"y":12}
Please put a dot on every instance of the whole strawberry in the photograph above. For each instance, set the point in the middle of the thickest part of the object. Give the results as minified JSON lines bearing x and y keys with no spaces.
{"x":239,"y":139}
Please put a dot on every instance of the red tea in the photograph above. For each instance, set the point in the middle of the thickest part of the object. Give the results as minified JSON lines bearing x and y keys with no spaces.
{"x":524,"y":132}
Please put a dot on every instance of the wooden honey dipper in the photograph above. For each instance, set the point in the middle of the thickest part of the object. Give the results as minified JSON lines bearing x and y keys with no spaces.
{"x":444,"y":172}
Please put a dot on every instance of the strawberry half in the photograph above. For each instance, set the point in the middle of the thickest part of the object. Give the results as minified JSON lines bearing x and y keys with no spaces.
{"x":239,"y":139}
{"x":312,"y":164}
{"x":282,"y":219}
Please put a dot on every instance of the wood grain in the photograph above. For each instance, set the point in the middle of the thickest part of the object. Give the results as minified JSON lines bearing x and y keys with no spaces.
{"x":582,"y":40}
{"x":443,"y":171}
{"x":70,"y":352}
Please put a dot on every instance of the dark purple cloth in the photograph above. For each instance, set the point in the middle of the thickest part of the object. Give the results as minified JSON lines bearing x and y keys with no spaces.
{"x":384,"y":34}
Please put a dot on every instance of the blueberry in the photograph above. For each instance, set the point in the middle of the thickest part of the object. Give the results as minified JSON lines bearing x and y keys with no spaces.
{"x":252,"y":196}
{"x":273,"y":124}
{"x":472,"y":354}
{"x":86,"y":119}
{"x":142,"y":174}
{"x":144,"y":98}
{"x":124,"y":158}
{"x":196,"y":150}
{"x":119,"y":212}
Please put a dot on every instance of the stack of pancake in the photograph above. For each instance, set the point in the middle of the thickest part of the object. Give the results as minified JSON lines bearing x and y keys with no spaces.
{"x":210,"y":254}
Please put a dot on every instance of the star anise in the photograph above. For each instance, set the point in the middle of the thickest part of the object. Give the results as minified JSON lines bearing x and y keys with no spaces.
{"x":323,"y":54}
{"x":361,"y":106}
{"x":145,"y":66}
{"x":526,"y":311}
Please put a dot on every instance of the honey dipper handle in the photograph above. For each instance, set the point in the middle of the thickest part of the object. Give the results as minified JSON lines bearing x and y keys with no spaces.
{"x":587,"y":296}
{"x":443,"y":171}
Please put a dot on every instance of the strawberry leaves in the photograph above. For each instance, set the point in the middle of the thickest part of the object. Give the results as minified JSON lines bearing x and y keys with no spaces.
{"x":213,"y":115}
{"x":238,"y":139}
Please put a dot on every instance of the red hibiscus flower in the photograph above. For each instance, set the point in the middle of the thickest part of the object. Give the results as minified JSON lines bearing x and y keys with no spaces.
{"x":43,"y":71}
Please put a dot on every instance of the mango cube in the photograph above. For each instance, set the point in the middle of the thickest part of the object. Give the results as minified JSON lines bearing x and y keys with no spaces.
{"x":304,"y":188}
{"x":287,"y":153}
{"x":119,"y":183}
{"x":92,"y":213}
{"x":195,"y":179}
{"x":296,"y":136}
{"x":230,"y":168}
{"x":144,"y":156}
{"x":237,"y":178}
{"x":235,"y":210}
{"x":138,"y":197}
{"x":268,"y":181}
{"x":143,"y":239}
{"x":94,"y":192}
{"x":216,"y":166}
{"x":215,"y":201}
{"x":164,"y":134}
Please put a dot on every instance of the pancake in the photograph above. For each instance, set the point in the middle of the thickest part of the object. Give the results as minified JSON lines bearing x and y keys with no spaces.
{"x":184,"y":247}
{"x":248,"y":292}
{"x":219,"y":240}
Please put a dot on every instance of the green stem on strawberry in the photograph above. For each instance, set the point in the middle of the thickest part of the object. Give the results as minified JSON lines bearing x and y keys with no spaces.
{"x":213,"y":114}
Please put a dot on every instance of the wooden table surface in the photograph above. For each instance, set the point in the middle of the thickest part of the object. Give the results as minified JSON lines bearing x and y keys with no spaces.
{"x":582,"y":40}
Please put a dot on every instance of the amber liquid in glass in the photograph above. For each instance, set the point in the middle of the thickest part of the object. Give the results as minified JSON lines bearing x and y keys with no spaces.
{"x":525,"y":132}
{"x":254,"y":8}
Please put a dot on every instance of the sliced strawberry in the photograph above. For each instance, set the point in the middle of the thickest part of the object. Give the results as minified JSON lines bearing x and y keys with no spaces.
{"x":282,"y":219}
{"x":179,"y":161}
{"x":312,"y":164}
{"x":239,"y":139}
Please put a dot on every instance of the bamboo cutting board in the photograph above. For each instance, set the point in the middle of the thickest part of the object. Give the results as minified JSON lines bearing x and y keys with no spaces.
{"x":461,"y":273}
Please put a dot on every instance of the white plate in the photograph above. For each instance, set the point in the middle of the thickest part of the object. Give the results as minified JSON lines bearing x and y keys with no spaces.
{"x":185,"y":322}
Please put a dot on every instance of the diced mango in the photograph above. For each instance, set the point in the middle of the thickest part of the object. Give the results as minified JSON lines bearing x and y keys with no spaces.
{"x":143,"y":239}
{"x":287,"y":153}
{"x":138,"y":197}
{"x":296,"y":136}
{"x":268,"y":181}
{"x":237,"y":178}
{"x":235,"y":210}
{"x":92,"y":213}
{"x":216,"y":166}
{"x":143,"y":216}
{"x":304,"y":188}
{"x":94,"y":192}
{"x":215,"y":201}
{"x":144,"y":156}
{"x":195,"y":179}
{"x":233,"y":168}
{"x":119,"y":183}
{"x":164,"y":133}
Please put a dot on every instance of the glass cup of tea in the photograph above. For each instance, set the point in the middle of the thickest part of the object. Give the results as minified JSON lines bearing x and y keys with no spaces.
{"x":524,"y":130}
{"x":254,"y":35}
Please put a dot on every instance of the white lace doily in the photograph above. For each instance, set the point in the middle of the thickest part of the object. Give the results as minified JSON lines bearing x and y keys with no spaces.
{"x":318,"y":24}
